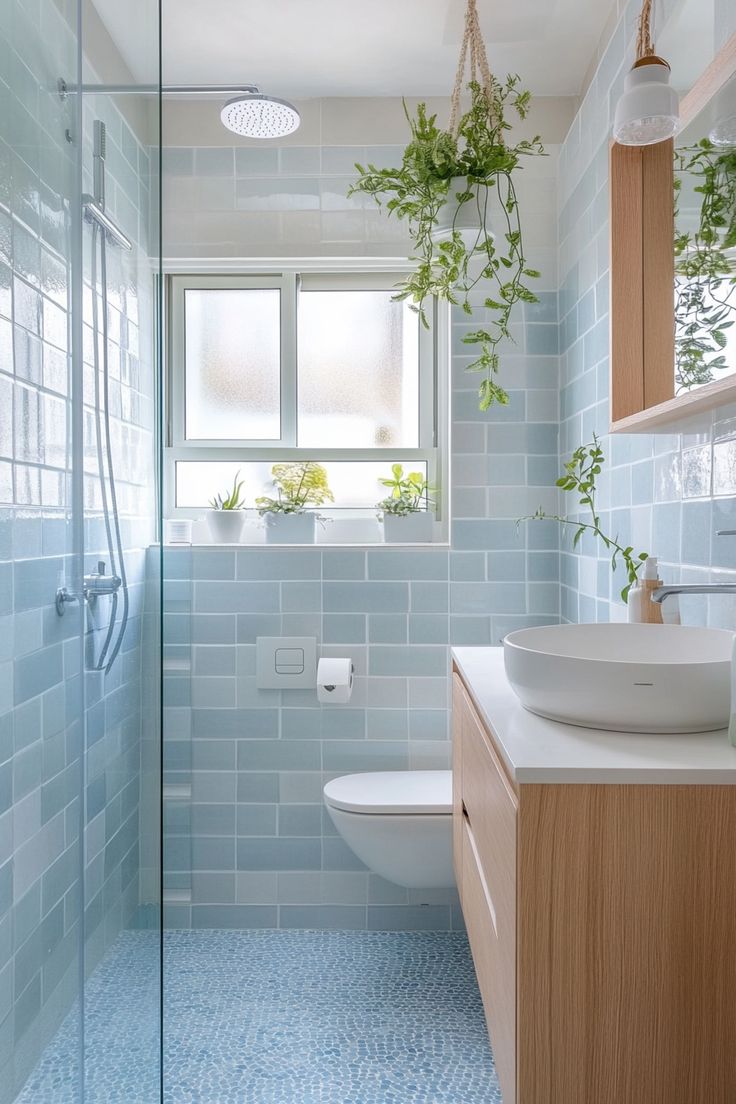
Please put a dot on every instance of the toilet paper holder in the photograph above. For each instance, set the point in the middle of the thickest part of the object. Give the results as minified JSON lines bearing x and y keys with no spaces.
{"x":335,"y":679}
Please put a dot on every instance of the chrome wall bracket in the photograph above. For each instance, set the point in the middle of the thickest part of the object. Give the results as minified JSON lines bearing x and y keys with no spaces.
{"x":96,"y":585}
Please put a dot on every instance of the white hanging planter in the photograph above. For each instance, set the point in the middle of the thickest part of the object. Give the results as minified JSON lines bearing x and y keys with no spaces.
{"x":465,"y":217}
{"x":416,"y":528}
{"x":226,"y":526}
{"x":297,"y":528}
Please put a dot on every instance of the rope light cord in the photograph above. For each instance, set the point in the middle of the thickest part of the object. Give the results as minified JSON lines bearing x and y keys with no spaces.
{"x":472,"y":53}
{"x":644,"y":44}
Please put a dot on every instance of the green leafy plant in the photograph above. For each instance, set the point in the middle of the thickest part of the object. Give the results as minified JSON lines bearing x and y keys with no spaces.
{"x":299,"y":486}
{"x":451,"y":267}
{"x":232,"y":500}
{"x":581,"y":472}
{"x":705,"y":265}
{"x":410,"y":493}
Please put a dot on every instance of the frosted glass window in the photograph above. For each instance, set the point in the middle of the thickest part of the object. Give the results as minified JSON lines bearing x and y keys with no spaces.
{"x":355,"y":484}
{"x":358,"y":371}
{"x":233,"y":364}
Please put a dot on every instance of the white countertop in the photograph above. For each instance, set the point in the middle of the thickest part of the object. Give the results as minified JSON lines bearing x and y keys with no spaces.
{"x":538,"y":750}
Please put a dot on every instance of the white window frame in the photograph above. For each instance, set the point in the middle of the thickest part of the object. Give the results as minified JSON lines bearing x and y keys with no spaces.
{"x":433,"y":379}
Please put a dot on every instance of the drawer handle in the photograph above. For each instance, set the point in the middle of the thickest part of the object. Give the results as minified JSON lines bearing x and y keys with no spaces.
{"x":483,"y":882}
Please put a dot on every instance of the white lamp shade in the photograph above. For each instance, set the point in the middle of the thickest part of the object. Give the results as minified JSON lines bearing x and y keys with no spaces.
{"x":649,"y":109}
{"x":724,"y":132}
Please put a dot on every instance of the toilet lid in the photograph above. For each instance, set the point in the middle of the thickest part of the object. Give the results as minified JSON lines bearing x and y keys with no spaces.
{"x":422,"y":791}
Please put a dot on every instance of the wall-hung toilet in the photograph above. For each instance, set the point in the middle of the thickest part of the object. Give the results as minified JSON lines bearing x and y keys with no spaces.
{"x":399,"y":823}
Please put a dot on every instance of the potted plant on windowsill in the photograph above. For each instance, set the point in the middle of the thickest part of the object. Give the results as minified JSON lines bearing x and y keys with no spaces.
{"x":405,"y":512}
{"x":290,"y":518}
{"x":226,"y":515}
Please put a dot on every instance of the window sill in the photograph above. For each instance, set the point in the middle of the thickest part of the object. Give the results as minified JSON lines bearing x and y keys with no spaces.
{"x":359,"y":545}
{"x":348,"y":532}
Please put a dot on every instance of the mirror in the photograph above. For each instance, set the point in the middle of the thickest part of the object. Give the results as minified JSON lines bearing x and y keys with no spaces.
{"x":673,"y":258}
{"x":705,"y":244}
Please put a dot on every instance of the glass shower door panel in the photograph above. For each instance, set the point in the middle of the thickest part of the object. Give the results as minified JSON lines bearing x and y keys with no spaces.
{"x":41,"y":725}
{"x":122,"y":1025}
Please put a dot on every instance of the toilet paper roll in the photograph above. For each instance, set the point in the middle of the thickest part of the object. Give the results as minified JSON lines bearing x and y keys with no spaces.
{"x":335,"y":680}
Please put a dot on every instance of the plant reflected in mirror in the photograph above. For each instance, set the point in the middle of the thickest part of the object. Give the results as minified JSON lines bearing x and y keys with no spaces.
{"x":705,"y":263}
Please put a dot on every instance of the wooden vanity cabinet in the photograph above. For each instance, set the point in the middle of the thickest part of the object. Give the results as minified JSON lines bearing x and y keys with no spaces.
{"x":602,"y":923}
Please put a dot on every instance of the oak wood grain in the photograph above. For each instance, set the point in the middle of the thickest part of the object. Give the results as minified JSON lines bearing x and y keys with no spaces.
{"x":642,"y":324}
{"x":490,"y":806}
{"x":626,"y":964}
{"x":458,"y":710}
{"x":603,"y":918}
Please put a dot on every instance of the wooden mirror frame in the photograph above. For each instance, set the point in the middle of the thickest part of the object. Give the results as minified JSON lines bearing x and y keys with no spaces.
{"x":642,"y":353}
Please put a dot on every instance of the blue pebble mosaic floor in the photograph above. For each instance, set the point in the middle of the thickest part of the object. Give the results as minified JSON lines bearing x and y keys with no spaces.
{"x":281,"y":1017}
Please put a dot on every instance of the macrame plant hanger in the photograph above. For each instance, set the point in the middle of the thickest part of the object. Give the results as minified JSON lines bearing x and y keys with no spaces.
{"x":473,"y":53}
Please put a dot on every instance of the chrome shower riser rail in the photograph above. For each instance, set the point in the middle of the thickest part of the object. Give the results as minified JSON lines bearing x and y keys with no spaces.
{"x":94,"y":213}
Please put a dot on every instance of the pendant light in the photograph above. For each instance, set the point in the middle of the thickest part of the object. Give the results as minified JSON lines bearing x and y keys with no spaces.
{"x":649,"y":110}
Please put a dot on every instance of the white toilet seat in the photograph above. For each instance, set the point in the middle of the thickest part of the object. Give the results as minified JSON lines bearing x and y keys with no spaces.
{"x":392,"y":792}
{"x":399,"y":823}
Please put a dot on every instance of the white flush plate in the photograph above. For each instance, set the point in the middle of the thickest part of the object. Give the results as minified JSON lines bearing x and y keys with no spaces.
{"x":286,"y":662}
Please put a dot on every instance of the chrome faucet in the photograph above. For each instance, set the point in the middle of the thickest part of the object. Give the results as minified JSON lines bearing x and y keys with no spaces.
{"x":663,"y":592}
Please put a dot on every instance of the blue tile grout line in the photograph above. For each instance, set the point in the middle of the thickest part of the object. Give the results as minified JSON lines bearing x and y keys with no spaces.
{"x":279,"y":1017}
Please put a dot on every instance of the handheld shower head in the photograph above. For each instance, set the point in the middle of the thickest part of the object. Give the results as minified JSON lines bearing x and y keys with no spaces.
{"x":99,"y":152}
{"x":99,"y":139}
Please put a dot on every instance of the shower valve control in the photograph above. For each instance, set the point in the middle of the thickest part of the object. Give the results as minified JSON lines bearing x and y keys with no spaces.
{"x":98,"y":583}
{"x":95,"y":585}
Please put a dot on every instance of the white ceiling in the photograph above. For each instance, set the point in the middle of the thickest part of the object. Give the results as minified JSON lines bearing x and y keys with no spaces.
{"x":304,"y":48}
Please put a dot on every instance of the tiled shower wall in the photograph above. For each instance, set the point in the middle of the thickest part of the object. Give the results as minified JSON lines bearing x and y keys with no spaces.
{"x":248,"y":842}
{"x":666,"y":494}
{"x":42,"y":737}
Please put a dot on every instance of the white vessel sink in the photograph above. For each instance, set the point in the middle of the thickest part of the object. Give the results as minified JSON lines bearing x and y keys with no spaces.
{"x":628,"y":678}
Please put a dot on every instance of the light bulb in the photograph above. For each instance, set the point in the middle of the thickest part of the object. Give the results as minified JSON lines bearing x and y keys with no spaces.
{"x":649,"y":110}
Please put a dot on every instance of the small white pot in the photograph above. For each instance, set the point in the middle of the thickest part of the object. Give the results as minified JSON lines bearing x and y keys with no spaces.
{"x":290,"y":528}
{"x":226,"y":526}
{"x":413,"y":528}
{"x":465,"y":218}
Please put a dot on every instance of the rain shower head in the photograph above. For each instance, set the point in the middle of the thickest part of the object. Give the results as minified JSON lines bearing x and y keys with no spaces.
{"x":257,"y":116}
{"x":249,"y":113}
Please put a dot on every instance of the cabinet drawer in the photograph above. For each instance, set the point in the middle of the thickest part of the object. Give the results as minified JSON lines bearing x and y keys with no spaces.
{"x":488,"y":882}
{"x":491,"y":807}
{"x":458,"y":712}
{"x":494,"y":961}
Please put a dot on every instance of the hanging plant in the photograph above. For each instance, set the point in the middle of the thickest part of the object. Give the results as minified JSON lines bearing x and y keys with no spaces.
{"x":447,"y":176}
{"x":705,"y":265}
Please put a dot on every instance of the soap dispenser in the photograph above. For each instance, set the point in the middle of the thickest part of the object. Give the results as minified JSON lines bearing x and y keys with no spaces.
{"x":642,"y":610}
{"x":732,"y":722}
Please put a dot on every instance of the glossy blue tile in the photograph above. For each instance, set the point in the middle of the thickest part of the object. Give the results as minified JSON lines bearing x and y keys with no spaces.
{"x":365,"y":597}
{"x":280,"y":853}
{"x":410,"y":660}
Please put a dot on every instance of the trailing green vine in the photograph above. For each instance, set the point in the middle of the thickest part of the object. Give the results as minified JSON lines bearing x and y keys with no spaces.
{"x":705,"y":265}
{"x":451,"y":267}
{"x":581,"y":473}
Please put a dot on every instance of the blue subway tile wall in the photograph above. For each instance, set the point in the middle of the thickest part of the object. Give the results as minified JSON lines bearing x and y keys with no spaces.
{"x":42,"y":700}
{"x":393,"y":610}
{"x":666,"y":494}
{"x":246,"y":767}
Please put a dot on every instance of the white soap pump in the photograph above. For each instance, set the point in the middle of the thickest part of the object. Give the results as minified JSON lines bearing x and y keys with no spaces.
{"x":732,"y":722}
{"x":641,"y":608}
